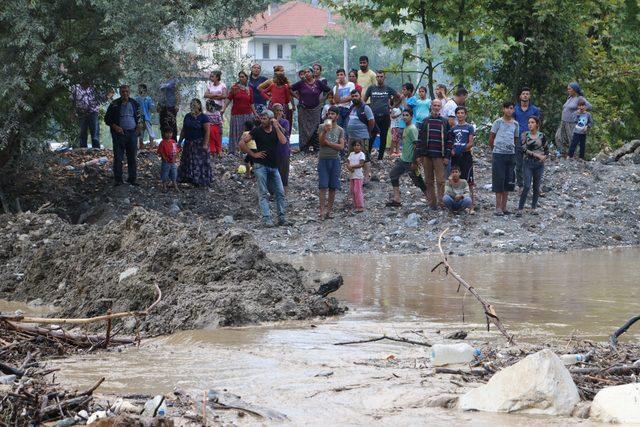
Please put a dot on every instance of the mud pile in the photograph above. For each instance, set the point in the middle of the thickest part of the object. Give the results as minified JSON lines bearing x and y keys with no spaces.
{"x":207,"y":279}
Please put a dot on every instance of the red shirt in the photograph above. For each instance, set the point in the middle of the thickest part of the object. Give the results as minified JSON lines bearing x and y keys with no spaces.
{"x":168,"y":150}
{"x":279,"y":94}
{"x":242,"y":100}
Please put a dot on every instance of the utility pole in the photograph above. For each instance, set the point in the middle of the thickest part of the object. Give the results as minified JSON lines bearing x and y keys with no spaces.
{"x":345,"y":54}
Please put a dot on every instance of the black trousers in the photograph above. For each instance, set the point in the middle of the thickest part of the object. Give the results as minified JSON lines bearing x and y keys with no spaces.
{"x":126,"y":143}
{"x":383,"y":121}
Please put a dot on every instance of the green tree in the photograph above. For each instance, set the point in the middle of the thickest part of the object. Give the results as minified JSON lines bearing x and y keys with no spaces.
{"x":47,"y":46}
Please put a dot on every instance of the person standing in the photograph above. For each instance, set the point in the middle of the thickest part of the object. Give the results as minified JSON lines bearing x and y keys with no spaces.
{"x":169,"y":104}
{"x":458,"y":100}
{"x":342,"y":96}
{"x":433,"y":151}
{"x":216,"y":90}
{"x":267,"y":137}
{"x":332,"y":140}
{"x":564,"y":134}
{"x":502,"y":140}
{"x":242,"y":110}
{"x":406,"y":162}
{"x":146,"y":103}
{"x":523,"y":111}
{"x":195,"y":164}
{"x":283,"y":154}
{"x":382,"y":98}
{"x":355,"y":164}
{"x":421,"y":106}
{"x":353,"y":78}
{"x":461,"y":154}
{"x":86,"y":103}
{"x":124,"y":117}
{"x":278,"y":92}
{"x":441,"y":93}
{"x":308,"y":93}
{"x":255,"y":80}
{"x":360,"y":127}
{"x":366,"y":77}
{"x":536,"y":152}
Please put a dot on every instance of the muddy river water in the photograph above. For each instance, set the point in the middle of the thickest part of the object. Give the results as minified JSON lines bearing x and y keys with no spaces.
{"x":294,"y":368}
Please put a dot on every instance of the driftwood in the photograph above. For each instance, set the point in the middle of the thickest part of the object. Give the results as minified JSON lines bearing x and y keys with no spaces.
{"x":614,"y":338}
{"x":384,"y":337}
{"x":489,"y":311}
{"x":79,"y":340}
{"x":615,"y":370}
{"x":83,"y":321}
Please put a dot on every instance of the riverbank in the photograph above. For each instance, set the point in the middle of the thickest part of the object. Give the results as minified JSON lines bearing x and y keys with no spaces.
{"x":586,"y":205}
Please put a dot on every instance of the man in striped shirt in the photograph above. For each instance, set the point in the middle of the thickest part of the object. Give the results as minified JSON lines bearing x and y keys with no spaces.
{"x":433,"y":151}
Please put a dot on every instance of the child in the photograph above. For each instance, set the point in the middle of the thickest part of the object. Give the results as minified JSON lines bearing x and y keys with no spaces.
{"x":168,"y":152}
{"x":355,"y":165}
{"x":146,"y":103}
{"x":215,"y":130}
{"x":583,"y":123}
{"x":248,"y":127}
{"x":461,"y":156}
{"x":396,"y":131}
{"x":502,"y":141}
{"x":456,"y":192}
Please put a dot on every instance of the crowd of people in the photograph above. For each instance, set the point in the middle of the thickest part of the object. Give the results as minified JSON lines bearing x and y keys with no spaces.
{"x":431,"y":138}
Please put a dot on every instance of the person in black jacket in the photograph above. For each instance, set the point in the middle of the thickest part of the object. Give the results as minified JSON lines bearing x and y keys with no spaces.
{"x":124,"y":118}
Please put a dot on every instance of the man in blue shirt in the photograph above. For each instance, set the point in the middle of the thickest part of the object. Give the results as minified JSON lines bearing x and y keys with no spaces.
{"x":255,"y":80}
{"x":524,"y":109}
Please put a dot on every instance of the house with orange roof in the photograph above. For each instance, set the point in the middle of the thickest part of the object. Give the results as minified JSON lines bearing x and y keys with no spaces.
{"x":271,"y":37}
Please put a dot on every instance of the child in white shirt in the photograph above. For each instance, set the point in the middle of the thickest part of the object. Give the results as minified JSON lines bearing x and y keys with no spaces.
{"x":355,"y":164}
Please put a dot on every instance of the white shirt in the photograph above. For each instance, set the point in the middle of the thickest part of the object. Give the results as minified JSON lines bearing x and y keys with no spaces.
{"x":343,"y":91}
{"x":216,"y":90}
{"x":354,"y":160}
{"x":449,"y":110}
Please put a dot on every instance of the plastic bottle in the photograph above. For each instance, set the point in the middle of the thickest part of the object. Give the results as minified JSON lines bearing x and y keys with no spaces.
{"x":450,"y":354}
{"x":571,"y":359}
{"x":162,"y":410}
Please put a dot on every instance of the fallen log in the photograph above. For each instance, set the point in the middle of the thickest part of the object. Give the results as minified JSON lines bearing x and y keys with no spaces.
{"x":614,"y":338}
{"x":615,"y":370}
{"x":489,"y":311}
{"x":80,"y":340}
{"x":384,"y":337}
{"x":477,"y":372}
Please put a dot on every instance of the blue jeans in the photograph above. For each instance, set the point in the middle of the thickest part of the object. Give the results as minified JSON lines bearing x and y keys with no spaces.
{"x":168,"y":172}
{"x":126,"y":142}
{"x":268,"y":177}
{"x":532,"y":170}
{"x":579,"y":139}
{"x":89,"y":123}
{"x":456,"y":205}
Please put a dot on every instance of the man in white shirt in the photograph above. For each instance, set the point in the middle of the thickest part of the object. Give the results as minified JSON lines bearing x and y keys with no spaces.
{"x":449,"y":109}
{"x":342,"y":96}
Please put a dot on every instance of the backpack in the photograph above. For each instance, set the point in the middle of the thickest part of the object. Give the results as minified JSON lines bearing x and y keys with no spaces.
{"x":362,"y":116}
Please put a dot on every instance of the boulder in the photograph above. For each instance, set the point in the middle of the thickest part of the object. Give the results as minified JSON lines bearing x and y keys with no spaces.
{"x":538,"y":384}
{"x":618,"y":404}
{"x":627,"y":148}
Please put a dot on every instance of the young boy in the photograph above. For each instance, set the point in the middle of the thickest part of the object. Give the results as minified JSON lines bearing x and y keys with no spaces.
{"x":583,"y":121}
{"x":456,"y":192}
{"x":355,"y":163}
{"x":146,"y":103}
{"x":502,"y":141}
{"x":463,"y":134}
{"x":396,"y":131}
{"x":168,"y":152}
{"x":215,"y":131}
{"x":406,"y":162}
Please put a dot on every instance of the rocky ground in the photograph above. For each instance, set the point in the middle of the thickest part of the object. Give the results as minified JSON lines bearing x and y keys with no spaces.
{"x":587,"y":205}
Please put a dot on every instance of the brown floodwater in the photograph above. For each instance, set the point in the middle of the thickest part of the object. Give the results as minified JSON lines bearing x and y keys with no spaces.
{"x":585,"y":293}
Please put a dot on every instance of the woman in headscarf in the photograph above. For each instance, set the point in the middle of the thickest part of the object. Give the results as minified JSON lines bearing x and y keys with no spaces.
{"x":195,"y":166}
{"x":242,"y":110}
{"x":565,"y":130}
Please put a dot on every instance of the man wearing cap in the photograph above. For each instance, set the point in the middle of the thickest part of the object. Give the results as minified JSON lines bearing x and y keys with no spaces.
{"x":267,"y":137}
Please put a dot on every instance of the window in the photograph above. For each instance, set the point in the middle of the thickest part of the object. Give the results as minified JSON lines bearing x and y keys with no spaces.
{"x":280,"y":49}
{"x":265,"y":51}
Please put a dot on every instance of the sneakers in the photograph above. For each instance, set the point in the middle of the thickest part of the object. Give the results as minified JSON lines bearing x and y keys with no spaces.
{"x":284,"y":223}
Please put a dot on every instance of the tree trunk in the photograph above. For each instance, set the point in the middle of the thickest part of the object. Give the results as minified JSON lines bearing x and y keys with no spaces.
{"x":427,"y":44}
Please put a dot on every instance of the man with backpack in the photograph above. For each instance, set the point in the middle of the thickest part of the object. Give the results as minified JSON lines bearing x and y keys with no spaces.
{"x":360,"y":127}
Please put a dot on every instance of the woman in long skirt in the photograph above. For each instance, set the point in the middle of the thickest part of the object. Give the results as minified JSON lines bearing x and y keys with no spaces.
{"x":564,"y":134}
{"x":195,"y":163}
{"x":242,"y":109}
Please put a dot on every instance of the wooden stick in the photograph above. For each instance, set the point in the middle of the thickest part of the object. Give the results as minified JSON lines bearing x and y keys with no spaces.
{"x":82,"y":321}
{"x":384,"y":337}
{"x":489,"y":311}
{"x":108,"y":333}
{"x":79,"y":340}
{"x":614,"y":338}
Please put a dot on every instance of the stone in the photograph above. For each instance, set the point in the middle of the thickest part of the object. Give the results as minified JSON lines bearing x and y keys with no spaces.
{"x":227,"y":219}
{"x":538,"y":384}
{"x":498,"y":232}
{"x":131,"y":271}
{"x":412,"y":220}
{"x":457,"y":239}
{"x":617,"y":404}
{"x":627,"y":148}
{"x":66,"y":422}
{"x":174,"y":209}
{"x":7,"y":379}
{"x":433,"y":221}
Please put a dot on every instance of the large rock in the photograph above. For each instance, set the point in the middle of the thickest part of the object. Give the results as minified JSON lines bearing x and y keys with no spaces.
{"x":538,"y":384}
{"x":627,"y":148}
{"x":618,"y":404}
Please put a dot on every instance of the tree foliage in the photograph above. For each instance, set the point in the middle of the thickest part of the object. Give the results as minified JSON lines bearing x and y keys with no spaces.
{"x":48,"y":46}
